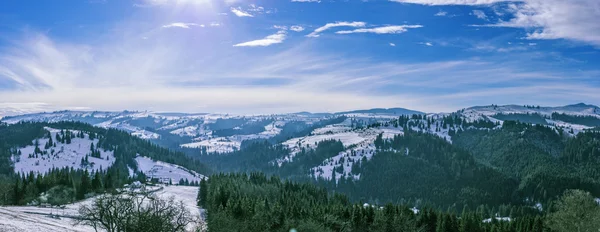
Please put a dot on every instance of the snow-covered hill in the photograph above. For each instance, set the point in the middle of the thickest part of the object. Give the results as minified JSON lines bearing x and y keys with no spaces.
{"x":359,"y":144}
{"x":77,"y":153}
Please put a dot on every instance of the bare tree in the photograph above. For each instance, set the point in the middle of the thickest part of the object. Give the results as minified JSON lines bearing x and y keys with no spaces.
{"x":133,"y":211}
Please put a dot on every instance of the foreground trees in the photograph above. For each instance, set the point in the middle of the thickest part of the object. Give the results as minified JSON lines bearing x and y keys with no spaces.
{"x":135,"y":210}
{"x":575,"y":211}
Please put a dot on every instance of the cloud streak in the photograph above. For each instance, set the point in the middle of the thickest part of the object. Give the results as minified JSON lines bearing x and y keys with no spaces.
{"x":182,"y":25}
{"x":382,"y":30}
{"x":328,"y":26}
{"x":276,"y":38}
{"x":240,"y":13}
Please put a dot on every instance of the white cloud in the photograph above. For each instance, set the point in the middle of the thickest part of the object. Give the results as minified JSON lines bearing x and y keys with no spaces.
{"x":382,"y":30}
{"x":276,"y":38}
{"x":297,"y":28}
{"x":240,"y":13}
{"x":480,"y":14}
{"x":429,"y":44}
{"x":316,"y":32}
{"x":182,"y":25}
{"x":306,"y":0}
{"x":557,"y":19}
{"x":441,"y":13}
{"x":575,"y":20}
{"x":256,"y":8}
{"x":393,"y":44}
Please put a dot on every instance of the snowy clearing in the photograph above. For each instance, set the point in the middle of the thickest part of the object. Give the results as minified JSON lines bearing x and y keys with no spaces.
{"x":166,"y":172}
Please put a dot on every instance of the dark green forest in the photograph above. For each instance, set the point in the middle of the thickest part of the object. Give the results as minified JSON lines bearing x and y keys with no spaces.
{"x":256,"y":202}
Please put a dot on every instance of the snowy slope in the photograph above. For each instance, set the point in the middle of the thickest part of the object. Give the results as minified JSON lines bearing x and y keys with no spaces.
{"x":15,"y":220}
{"x":32,"y":218}
{"x":166,"y":171}
{"x":359,"y":144}
{"x":61,"y":156}
{"x":356,"y":153}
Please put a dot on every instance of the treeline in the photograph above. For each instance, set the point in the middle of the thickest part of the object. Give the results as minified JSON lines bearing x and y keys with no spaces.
{"x":255,"y":202}
{"x":580,"y":120}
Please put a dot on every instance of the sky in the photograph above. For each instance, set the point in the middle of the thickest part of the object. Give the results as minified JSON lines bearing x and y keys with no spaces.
{"x":277,"y":56}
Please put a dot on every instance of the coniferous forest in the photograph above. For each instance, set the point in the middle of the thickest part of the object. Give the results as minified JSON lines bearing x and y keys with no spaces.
{"x":256,"y":202}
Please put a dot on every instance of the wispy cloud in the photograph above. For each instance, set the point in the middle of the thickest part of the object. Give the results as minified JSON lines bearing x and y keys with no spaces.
{"x":382,"y":30}
{"x":182,"y":25}
{"x":306,"y":0}
{"x":297,"y":28}
{"x":280,"y":27}
{"x":393,"y":44}
{"x":316,"y":32}
{"x":240,"y":13}
{"x":441,"y":13}
{"x":480,"y":14}
{"x":428,"y":44}
{"x":276,"y":38}
{"x":143,"y":76}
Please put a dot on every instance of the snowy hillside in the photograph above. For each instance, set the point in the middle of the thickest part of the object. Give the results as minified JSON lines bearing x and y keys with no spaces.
{"x":359,"y":144}
{"x":166,"y":172}
{"x":77,"y":153}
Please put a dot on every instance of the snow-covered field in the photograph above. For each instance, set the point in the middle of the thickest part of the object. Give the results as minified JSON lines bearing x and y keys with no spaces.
{"x":61,"y":156}
{"x":31,"y":218}
{"x":166,"y":171}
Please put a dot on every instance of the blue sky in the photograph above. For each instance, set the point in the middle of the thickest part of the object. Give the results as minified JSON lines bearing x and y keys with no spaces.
{"x":296,"y":55}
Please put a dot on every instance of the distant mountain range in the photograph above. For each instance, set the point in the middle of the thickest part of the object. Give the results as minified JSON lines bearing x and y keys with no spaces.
{"x":225,"y":132}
